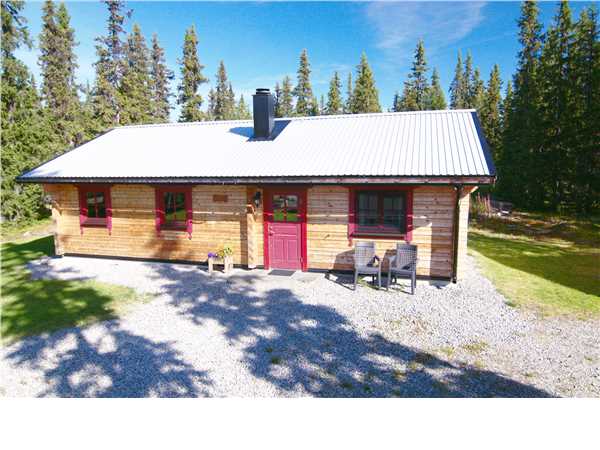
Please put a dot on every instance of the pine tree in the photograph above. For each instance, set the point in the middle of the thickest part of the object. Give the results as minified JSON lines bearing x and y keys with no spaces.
{"x":191,"y":78}
{"x":458,"y":98}
{"x":585,"y":77}
{"x":365,"y":98}
{"x":243,"y":112}
{"x":160,"y":79}
{"x":416,"y":88}
{"x":109,"y":67}
{"x":490,"y":112}
{"x":557,"y":109}
{"x":520,"y":169}
{"x":135,"y":91}
{"x":435,"y":96}
{"x":27,"y":137}
{"x":349,"y":93}
{"x":286,"y":103}
{"x":223,"y":103}
{"x":58,"y":63}
{"x":334,"y":96}
{"x":303,"y":90}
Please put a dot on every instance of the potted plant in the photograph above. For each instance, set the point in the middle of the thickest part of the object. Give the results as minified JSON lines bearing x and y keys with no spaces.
{"x":224,"y":256}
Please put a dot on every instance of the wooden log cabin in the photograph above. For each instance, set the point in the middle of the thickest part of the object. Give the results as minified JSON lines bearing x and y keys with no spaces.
{"x":293,"y":193}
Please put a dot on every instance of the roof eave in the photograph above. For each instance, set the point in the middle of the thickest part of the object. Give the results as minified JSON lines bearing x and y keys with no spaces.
{"x":414,"y":179}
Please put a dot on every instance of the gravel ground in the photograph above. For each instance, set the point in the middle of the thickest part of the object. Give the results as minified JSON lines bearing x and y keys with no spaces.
{"x":249,"y":335}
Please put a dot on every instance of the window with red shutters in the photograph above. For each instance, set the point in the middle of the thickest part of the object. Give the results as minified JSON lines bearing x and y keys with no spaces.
{"x":380,"y":212}
{"x":95,"y":208}
{"x":174,"y":209}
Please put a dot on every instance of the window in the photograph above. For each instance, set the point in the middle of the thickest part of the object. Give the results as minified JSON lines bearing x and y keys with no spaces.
{"x":285,"y":208}
{"x":174,"y":209}
{"x":380,"y":213}
{"x":95,"y":206}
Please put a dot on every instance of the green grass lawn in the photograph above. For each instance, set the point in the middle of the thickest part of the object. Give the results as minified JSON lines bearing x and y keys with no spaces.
{"x":550,"y":264}
{"x":32,"y":307}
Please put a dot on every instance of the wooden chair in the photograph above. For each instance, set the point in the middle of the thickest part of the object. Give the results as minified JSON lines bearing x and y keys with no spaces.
{"x":404,"y":263}
{"x":366,"y":262}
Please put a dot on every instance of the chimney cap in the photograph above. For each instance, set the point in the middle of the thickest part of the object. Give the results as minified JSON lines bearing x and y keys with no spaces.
{"x":262,"y":91}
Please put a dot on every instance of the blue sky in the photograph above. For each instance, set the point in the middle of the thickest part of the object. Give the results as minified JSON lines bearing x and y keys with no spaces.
{"x":261,"y":42}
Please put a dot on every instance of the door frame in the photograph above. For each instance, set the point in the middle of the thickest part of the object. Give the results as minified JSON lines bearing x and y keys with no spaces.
{"x":268,"y":193}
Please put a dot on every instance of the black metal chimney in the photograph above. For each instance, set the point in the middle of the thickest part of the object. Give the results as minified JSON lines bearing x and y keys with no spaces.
{"x":264,"y":113}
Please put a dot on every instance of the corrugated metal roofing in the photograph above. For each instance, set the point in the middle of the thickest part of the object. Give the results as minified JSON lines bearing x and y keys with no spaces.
{"x":425,"y":143}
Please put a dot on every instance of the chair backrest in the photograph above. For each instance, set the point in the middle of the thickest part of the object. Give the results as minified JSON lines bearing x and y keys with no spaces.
{"x":406,"y":256}
{"x":364,"y":252}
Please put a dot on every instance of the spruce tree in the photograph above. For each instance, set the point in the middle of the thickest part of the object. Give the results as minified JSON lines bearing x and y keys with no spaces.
{"x":286,"y":104}
{"x":458,"y":98}
{"x":303,"y":90}
{"x":585,"y":77}
{"x":520,"y":169}
{"x":490,"y":112}
{"x":416,"y":88}
{"x":160,"y":79}
{"x":397,"y":102}
{"x":334,"y":96}
{"x":277,"y":97}
{"x":58,"y":63}
{"x":557,"y":111}
{"x":135,"y":91}
{"x":223,"y":103}
{"x":349,"y":93}
{"x":27,"y":137}
{"x":314,"y":107}
{"x":477,"y":92}
{"x":435,"y":96}
{"x":109,"y":67}
{"x":243,"y":112}
{"x":365,"y":98}
{"x":467,"y":82}
{"x":191,"y":78}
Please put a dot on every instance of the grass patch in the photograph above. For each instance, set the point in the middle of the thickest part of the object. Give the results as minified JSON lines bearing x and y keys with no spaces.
{"x":543,"y":262}
{"x":447,"y":351}
{"x":31,"y":307}
{"x":15,"y":231}
{"x":276,"y":360}
{"x":475,"y":347}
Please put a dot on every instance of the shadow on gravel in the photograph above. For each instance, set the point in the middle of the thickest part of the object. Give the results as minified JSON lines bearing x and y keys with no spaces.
{"x":120,"y":364}
{"x":313,"y":349}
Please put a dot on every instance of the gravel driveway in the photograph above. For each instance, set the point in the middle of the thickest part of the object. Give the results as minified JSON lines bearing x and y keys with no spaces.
{"x":251,"y":334}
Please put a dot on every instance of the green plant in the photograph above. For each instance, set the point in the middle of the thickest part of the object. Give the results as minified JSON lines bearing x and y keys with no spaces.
{"x":224,"y":251}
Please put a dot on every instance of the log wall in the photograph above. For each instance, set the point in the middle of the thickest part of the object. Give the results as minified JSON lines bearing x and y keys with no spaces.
{"x":236,"y":222}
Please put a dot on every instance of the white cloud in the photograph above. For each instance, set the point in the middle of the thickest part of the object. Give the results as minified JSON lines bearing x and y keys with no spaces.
{"x":398,"y":26}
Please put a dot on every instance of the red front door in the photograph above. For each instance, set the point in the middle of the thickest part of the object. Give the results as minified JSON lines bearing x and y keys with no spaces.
{"x":284,"y":230}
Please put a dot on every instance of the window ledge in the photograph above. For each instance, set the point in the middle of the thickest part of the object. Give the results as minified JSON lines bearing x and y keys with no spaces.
{"x":95,"y":224}
{"x":394,"y":236}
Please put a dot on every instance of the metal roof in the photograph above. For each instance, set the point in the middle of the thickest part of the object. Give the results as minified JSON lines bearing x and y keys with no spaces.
{"x":410,"y":144}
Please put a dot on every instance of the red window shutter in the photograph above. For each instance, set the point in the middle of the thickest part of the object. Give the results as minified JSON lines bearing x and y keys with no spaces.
{"x":160,"y":210}
{"x":409,"y":215}
{"x":189,"y":211}
{"x":108,"y":210}
{"x":351,"y":213}
{"x":83,"y":211}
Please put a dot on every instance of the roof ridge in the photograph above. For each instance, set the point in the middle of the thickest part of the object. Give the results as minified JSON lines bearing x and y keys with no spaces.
{"x":295,"y":118}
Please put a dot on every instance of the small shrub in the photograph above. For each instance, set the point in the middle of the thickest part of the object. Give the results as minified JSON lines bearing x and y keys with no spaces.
{"x":275,"y":360}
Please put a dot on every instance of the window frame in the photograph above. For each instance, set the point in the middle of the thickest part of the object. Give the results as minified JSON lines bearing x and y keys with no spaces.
{"x":97,"y":222}
{"x":379,"y":231}
{"x":160,"y":209}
